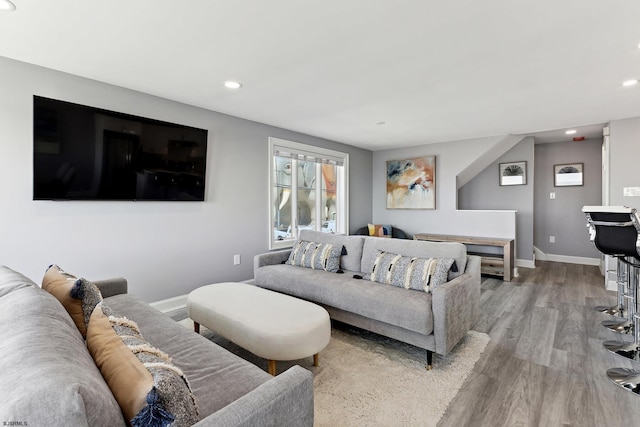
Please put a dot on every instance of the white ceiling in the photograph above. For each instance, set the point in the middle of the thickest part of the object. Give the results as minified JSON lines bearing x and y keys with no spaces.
{"x":432,"y":70}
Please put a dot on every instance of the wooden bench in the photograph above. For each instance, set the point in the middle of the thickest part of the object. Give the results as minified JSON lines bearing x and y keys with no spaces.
{"x":501,"y":263}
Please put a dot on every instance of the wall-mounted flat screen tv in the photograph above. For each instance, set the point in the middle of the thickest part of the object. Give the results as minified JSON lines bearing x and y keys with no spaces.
{"x":86,"y":153}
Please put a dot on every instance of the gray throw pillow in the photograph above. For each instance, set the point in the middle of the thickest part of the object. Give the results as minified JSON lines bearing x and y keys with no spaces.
{"x":318,"y":256}
{"x":421,"y":274}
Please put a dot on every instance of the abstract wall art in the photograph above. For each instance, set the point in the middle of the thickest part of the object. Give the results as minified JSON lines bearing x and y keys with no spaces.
{"x":411,"y":183}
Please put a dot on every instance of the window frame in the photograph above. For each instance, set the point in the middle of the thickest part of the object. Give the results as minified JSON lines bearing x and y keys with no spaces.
{"x":342,"y":187}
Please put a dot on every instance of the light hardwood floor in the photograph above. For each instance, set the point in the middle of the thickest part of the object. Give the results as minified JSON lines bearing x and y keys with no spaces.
{"x":545,"y":364}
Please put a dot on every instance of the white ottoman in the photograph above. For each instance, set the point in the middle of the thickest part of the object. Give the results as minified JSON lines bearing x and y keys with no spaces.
{"x":268,"y":324}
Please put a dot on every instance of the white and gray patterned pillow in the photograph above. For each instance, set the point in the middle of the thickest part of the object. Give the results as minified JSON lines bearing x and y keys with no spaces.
{"x":319,"y":256}
{"x":149,"y":388}
{"x":421,"y":274}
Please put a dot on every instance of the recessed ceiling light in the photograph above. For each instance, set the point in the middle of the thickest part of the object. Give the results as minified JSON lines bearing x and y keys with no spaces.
{"x":631,"y":82}
{"x":230,"y":84}
{"x":7,"y":6}
{"x":570,"y":131}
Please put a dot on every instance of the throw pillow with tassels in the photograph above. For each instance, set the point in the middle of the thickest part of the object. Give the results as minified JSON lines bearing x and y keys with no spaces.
{"x":150,"y":390}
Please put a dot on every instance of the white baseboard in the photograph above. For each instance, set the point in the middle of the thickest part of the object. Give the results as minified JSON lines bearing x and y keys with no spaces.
{"x":170,"y":304}
{"x":573,"y":259}
{"x":177,"y":303}
{"x":526,"y":263}
{"x":539,"y":255}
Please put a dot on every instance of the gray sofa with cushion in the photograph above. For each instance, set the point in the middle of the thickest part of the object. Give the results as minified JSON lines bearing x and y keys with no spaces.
{"x":435,"y":320}
{"x":48,"y":376}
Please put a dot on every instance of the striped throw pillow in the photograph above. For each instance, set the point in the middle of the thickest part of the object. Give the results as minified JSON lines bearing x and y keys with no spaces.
{"x":149,"y":388}
{"x":318,"y":256}
{"x":421,"y":274}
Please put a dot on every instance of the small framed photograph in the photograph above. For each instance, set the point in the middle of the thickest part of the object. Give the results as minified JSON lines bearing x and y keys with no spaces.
{"x":568,"y":175}
{"x":513,"y":173}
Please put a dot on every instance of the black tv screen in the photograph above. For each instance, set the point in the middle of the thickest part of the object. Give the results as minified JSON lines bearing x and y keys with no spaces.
{"x":86,"y":153}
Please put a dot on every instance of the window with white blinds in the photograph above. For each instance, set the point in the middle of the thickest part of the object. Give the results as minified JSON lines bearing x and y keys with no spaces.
{"x":307,"y":190}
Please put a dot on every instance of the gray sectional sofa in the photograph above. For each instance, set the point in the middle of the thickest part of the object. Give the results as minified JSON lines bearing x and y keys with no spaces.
{"x":48,"y":376}
{"x":434,"y":321}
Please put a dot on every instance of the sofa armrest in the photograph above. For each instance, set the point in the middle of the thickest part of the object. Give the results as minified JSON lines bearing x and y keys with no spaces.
{"x":271,"y":258}
{"x":285,"y":400}
{"x":456,"y":306}
{"x":111,"y":287}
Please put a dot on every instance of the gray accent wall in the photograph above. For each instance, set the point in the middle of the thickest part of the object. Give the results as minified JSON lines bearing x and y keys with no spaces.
{"x":562,"y":217}
{"x":164,"y":249}
{"x":485,"y":193}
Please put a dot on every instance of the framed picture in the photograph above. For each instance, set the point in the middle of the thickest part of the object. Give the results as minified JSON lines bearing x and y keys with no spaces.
{"x":411,"y":183}
{"x":513,"y":173}
{"x":568,"y":175}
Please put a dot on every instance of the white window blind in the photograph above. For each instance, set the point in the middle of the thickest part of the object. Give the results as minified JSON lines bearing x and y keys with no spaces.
{"x":307,"y":190}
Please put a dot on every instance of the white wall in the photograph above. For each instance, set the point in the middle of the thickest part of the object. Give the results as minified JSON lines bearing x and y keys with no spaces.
{"x":451,"y":159}
{"x":624,"y":158}
{"x":624,"y":155}
{"x":164,"y":249}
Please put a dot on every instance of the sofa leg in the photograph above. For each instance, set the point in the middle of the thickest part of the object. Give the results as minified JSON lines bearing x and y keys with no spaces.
{"x":429,"y":360}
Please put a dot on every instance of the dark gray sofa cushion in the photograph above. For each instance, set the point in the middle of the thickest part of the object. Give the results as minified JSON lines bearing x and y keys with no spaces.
{"x":404,"y":308}
{"x":217,"y":377}
{"x":47,"y":372}
{"x":353,"y":245}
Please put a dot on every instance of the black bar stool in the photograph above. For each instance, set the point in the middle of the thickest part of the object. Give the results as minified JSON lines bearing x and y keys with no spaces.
{"x":621,"y":281}
{"x":627,"y":294}
{"x":615,"y":231}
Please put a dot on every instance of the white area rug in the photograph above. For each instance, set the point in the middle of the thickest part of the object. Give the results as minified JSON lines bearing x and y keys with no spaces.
{"x":365,"y":379}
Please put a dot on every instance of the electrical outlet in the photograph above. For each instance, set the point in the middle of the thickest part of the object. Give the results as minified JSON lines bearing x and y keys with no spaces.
{"x":236,"y":259}
{"x":552,"y":195}
{"x":631,"y":191}
{"x":552,"y":239}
